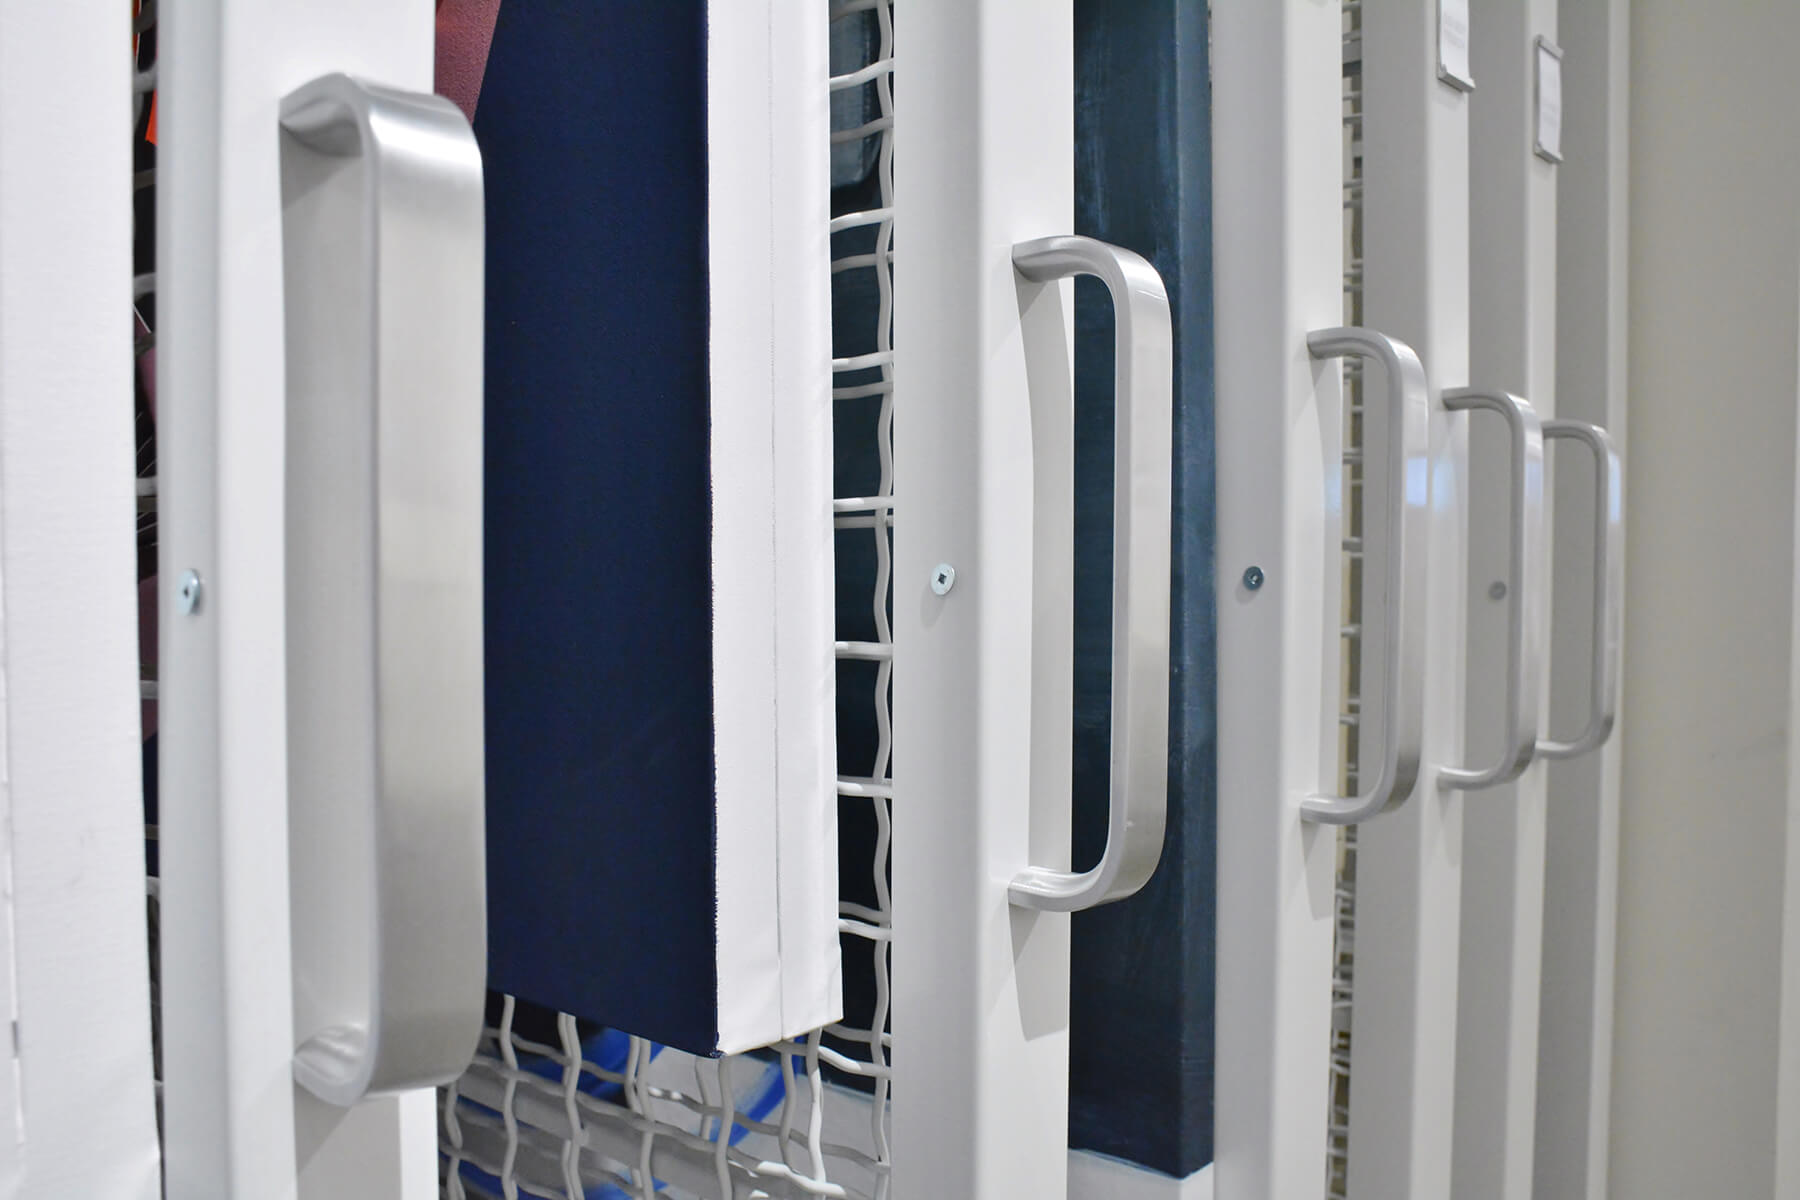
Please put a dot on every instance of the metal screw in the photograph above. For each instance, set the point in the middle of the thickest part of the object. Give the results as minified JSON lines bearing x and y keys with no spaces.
{"x":1497,"y":590}
{"x":1253,"y":577}
{"x":943,"y":578}
{"x":187,"y":592}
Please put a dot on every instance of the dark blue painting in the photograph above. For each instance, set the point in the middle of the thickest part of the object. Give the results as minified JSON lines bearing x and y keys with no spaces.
{"x":1141,"y":1062}
{"x":592,"y":125}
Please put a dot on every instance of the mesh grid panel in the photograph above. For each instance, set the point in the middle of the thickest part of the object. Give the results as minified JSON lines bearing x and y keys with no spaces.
{"x":598,"y":1115}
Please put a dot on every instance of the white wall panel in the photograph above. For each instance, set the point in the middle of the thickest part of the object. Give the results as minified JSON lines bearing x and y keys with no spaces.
{"x":1512,"y":336}
{"x":1707,"y":813}
{"x":1278,"y":274}
{"x":1581,"y":858}
{"x":68,"y":558}
{"x":981,"y":998}
{"x":1408,"y":891}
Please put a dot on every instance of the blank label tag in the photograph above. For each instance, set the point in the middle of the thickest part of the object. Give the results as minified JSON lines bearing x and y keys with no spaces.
{"x":1549,"y":101}
{"x":1453,"y":44}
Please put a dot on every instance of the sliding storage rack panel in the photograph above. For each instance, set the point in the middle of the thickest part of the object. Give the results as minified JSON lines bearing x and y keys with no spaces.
{"x":553,"y":1107}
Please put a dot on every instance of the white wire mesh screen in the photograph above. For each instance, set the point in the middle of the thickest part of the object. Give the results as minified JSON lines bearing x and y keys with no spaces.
{"x":554,"y":1106}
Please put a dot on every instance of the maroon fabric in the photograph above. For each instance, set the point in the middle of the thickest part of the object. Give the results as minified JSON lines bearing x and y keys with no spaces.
{"x":465,"y":31}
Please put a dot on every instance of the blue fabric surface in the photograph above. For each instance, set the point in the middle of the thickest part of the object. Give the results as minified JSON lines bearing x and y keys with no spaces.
{"x":592,"y":125}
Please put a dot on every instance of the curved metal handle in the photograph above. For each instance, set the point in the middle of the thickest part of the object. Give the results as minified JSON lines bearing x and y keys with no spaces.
{"x":383,"y":243}
{"x":1404,"y":541}
{"x":1143,"y":392}
{"x":1609,"y":586}
{"x":1526,"y":637}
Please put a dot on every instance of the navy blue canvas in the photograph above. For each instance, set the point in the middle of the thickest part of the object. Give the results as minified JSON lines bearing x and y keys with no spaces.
{"x":1141,"y":1068}
{"x":592,"y":125}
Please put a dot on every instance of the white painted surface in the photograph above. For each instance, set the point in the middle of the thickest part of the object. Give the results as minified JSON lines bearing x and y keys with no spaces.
{"x":228,"y":1028}
{"x":1097,"y":1177}
{"x":68,"y":591}
{"x":351,"y":1152}
{"x":1278,"y":273}
{"x":1416,"y":288}
{"x":981,"y":995}
{"x":1512,"y":346}
{"x":1455,"y":56}
{"x":12,"y":1112}
{"x":1708,"y":812}
{"x":1575,"y":1033}
{"x":1549,"y":102}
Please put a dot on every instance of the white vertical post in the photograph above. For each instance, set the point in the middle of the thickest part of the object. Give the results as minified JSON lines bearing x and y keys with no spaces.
{"x":981,"y":1001}
{"x":230,"y":1111}
{"x":1581,"y":875}
{"x":1416,"y":288}
{"x":1512,"y":310}
{"x":70,"y":780}
{"x":1708,"y":821}
{"x":1278,"y":263}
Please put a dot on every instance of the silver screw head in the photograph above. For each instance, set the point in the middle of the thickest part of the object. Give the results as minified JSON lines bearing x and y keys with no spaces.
{"x":1497,"y":590}
{"x":943,"y":578}
{"x":187,"y":592}
{"x":1253,"y":577}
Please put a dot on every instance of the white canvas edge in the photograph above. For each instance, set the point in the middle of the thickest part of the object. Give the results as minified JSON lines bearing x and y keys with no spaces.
{"x":806,"y":678}
{"x":741,"y":371}
{"x":773,"y":672}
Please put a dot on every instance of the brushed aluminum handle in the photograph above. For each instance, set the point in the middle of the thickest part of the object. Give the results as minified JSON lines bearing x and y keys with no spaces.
{"x":1609,"y":586}
{"x":1526,"y":640}
{"x":1143,"y":390}
{"x":1402,"y":547}
{"x":383,"y":244}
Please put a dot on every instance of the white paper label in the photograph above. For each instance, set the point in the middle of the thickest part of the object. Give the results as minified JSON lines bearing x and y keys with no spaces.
{"x":1453,"y":43}
{"x":1549,"y":102}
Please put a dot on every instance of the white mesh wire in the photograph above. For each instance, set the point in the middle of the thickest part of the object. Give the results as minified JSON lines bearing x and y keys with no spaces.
{"x":798,"y":1119}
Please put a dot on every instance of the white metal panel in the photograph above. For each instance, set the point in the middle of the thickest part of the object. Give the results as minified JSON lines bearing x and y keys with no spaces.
{"x":1098,"y":1177}
{"x":1278,"y":274}
{"x":1512,"y":310}
{"x":1708,"y":815}
{"x":351,"y":1152}
{"x":1787,"y":1069}
{"x":1582,"y":859}
{"x":228,"y":1027}
{"x":72,"y":769}
{"x":1416,"y":288}
{"x":671,"y":1119}
{"x":981,"y":999}
{"x":12,"y":1113}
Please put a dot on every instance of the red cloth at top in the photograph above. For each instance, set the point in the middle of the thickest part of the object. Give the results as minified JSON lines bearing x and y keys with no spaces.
{"x":465,"y":31}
